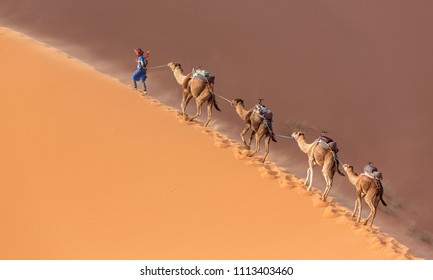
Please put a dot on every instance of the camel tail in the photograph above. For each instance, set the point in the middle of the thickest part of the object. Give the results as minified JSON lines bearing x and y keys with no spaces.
{"x":380,"y":192}
{"x":383,"y":201}
{"x":337,"y":161}
{"x":215,"y":104}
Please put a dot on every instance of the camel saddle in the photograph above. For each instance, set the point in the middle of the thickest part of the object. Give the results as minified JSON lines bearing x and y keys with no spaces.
{"x":203,"y":75}
{"x":263,"y":111}
{"x":371,"y":171}
{"x":327,"y":143}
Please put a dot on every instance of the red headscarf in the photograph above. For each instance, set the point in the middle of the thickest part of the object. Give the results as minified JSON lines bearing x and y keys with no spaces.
{"x":138,"y":51}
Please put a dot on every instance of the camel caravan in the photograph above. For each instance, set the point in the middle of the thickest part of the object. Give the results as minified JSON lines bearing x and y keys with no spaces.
{"x":322,"y":152}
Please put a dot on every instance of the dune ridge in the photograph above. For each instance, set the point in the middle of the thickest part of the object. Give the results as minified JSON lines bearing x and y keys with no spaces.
{"x":92,"y":170}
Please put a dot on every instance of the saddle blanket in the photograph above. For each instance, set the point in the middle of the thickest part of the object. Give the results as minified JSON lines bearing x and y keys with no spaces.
{"x":263,"y":111}
{"x":371,"y":171}
{"x":203,"y":75}
{"x":375,"y":175}
{"x":328,"y":143}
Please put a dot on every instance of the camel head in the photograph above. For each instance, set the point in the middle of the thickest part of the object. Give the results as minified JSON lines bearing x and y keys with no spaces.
{"x":298,"y":136}
{"x":352,"y":175}
{"x":237,"y":101}
{"x":174,"y":65}
{"x":347,"y":168}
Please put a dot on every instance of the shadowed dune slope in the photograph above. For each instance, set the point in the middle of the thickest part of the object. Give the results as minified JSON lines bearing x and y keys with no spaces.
{"x":92,"y":170}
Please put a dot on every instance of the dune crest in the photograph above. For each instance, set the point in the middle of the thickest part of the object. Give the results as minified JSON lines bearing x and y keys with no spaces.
{"x":93,"y":170}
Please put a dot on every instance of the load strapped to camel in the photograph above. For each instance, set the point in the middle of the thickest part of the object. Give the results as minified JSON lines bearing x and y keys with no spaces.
{"x":265,"y":112}
{"x":371,"y":171}
{"x":203,"y":75}
{"x":327,"y":143}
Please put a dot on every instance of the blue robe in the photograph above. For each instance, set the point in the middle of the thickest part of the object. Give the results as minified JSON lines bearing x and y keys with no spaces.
{"x":140,"y":73}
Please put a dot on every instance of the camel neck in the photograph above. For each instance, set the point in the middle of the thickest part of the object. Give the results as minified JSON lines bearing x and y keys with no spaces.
{"x":241,"y":111}
{"x":178,"y":75}
{"x":352,"y":176}
{"x":304,"y":146}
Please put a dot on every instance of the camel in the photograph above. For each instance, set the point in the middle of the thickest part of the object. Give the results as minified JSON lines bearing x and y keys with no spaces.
{"x":200,"y":90}
{"x":258,"y":125}
{"x":369,"y":188}
{"x":318,"y":155}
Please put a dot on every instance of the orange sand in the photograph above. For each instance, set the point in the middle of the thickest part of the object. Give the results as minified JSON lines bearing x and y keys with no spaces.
{"x":92,"y":170}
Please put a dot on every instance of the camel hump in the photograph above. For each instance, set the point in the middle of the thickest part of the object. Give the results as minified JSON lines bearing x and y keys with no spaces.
{"x":248,"y":116}
{"x":186,"y":81}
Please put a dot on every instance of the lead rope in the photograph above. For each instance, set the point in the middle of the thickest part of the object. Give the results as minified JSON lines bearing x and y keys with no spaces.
{"x":284,"y":136}
{"x":223,"y":98}
{"x":336,"y":158}
{"x":156,"y":67}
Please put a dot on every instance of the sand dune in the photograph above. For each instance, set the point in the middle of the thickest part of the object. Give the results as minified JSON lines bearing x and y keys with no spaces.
{"x":92,"y":170}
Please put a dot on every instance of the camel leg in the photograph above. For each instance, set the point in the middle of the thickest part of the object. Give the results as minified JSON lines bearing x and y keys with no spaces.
{"x":199,"y":103}
{"x":308,"y":176}
{"x":370,"y":204}
{"x":359,"y":209}
{"x":325,"y":193}
{"x":357,"y":202}
{"x":209,"y":111}
{"x":356,"y":207}
{"x":329,"y":178}
{"x":253,"y":133}
{"x":328,"y":187}
{"x":258,"y":138}
{"x":311,"y":176}
{"x":376,"y":203}
{"x":309,"y":173}
{"x":186,"y":97}
{"x":247,"y":146}
{"x":267,"y":141}
{"x":373,"y":216}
